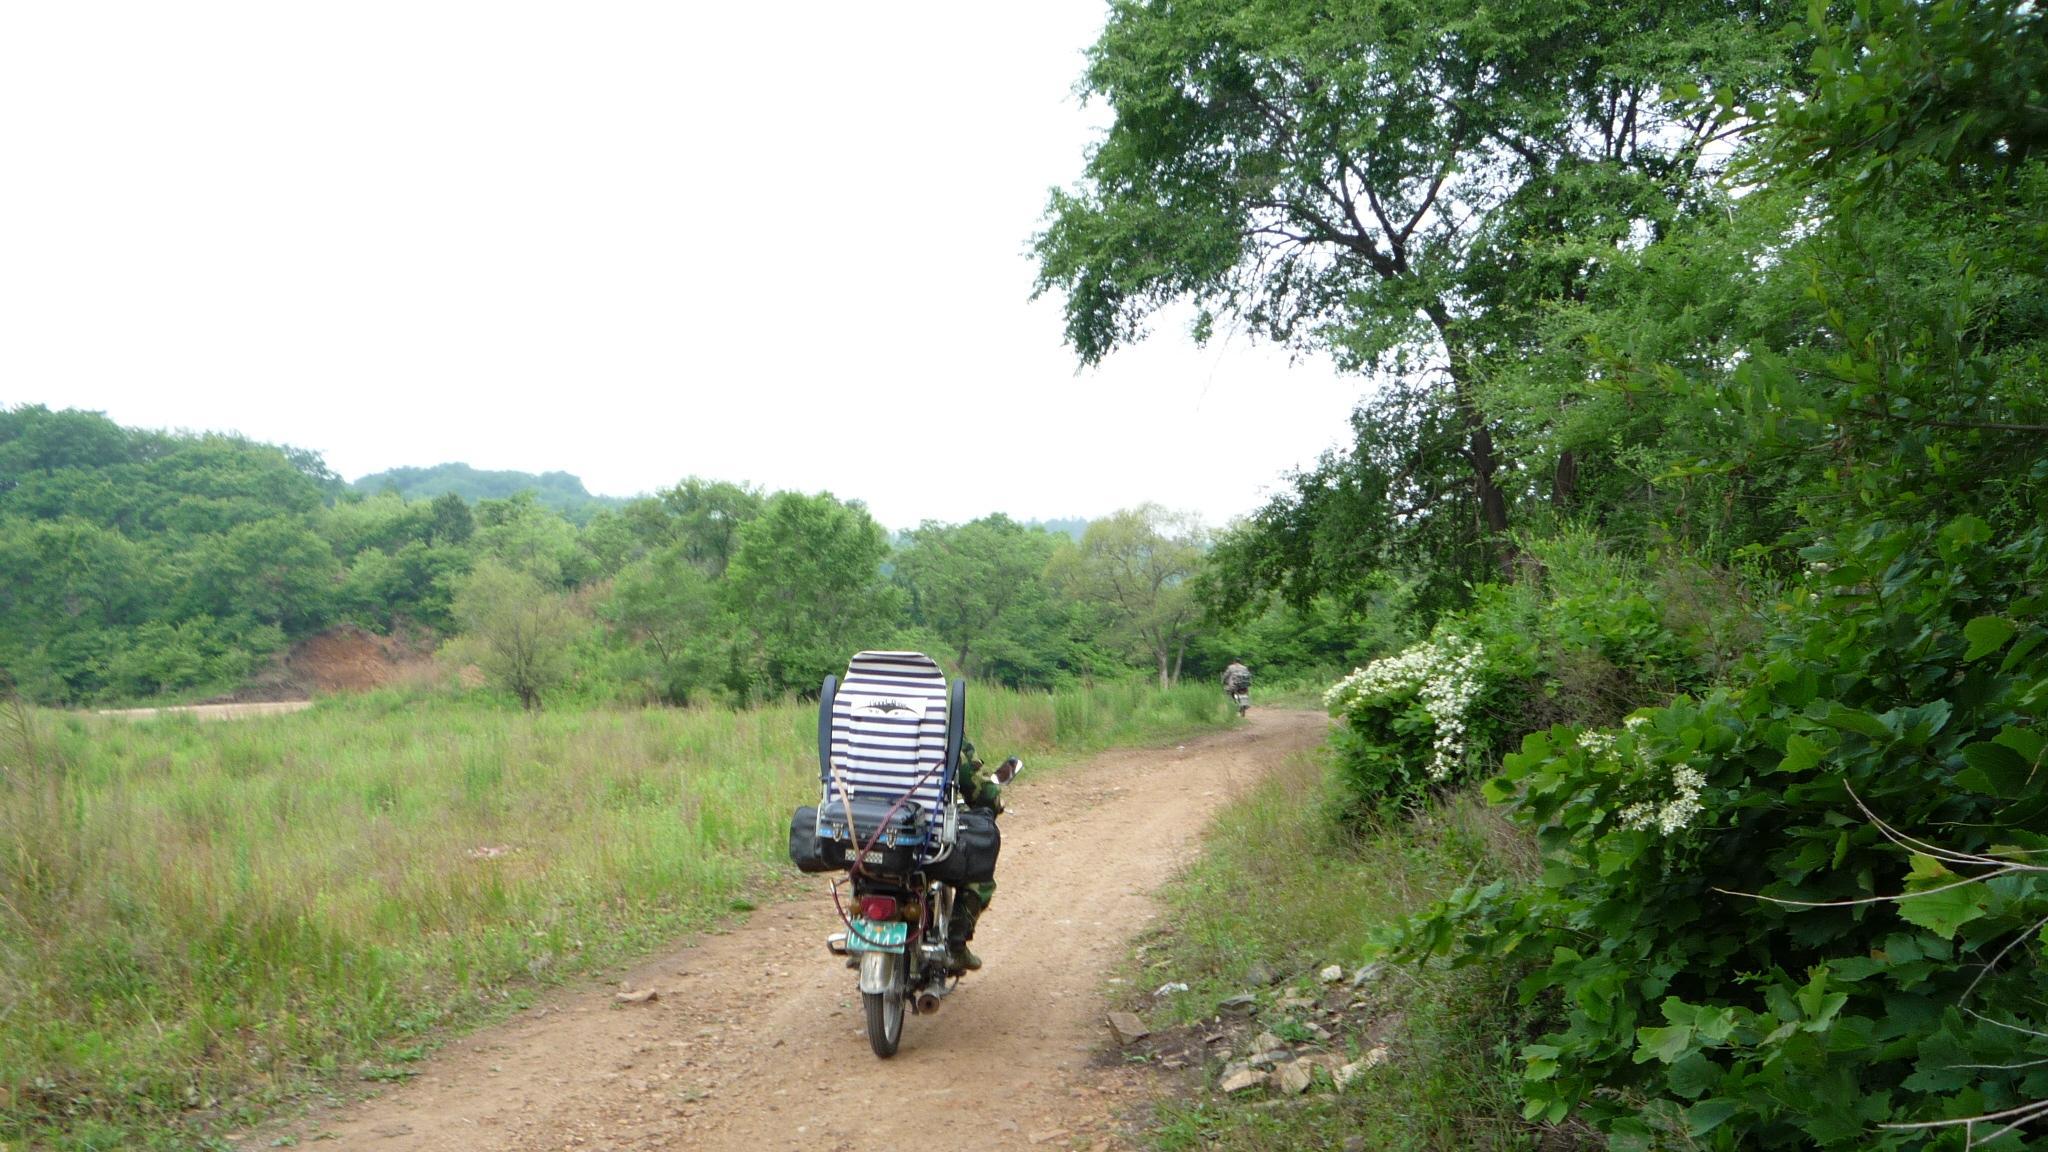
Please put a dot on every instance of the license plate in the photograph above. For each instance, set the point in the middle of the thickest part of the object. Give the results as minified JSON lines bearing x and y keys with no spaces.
{"x":870,"y":936}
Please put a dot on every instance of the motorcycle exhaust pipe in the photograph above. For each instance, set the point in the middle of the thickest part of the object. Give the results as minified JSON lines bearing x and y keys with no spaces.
{"x":927,"y":1004}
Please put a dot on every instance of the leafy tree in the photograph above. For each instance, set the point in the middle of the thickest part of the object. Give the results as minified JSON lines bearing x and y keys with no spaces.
{"x":805,"y":581}
{"x":704,"y":517}
{"x":520,"y":533}
{"x":383,"y":522}
{"x":452,"y":522}
{"x":1804,"y":909}
{"x":1405,"y":184}
{"x":1135,"y":569}
{"x":667,"y":607}
{"x":981,"y":587}
{"x":517,"y":630}
{"x":274,"y":572}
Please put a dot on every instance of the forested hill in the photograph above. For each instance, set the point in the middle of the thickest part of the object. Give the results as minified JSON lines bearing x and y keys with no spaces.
{"x":136,"y":564}
{"x":559,"y":491}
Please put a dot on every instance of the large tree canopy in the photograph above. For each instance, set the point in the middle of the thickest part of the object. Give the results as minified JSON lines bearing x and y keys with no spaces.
{"x":1401,"y":183}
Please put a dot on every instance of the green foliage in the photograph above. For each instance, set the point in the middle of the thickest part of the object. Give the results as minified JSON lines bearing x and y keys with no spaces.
{"x":142,"y":562}
{"x":1802,"y":909}
{"x":1134,"y":569}
{"x":1727,"y":915}
{"x":981,"y":588}
{"x":1408,"y":185}
{"x":806,"y":581}
{"x":1583,"y":638}
{"x":515,"y":629}
{"x":139,"y":564}
{"x":559,"y":492}
{"x":669,"y":612}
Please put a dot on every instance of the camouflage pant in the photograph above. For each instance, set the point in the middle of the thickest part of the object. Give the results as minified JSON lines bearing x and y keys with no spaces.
{"x":969,"y":902}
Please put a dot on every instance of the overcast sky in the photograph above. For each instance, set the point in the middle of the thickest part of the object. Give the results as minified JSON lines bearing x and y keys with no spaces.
{"x":784,"y":244}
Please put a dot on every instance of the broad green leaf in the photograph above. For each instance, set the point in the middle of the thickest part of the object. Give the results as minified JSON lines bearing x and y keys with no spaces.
{"x":1942,"y":911}
{"x":1694,"y":1076}
{"x":1962,"y":532}
{"x":1662,"y":1044}
{"x":1801,"y":754}
{"x":1852,"y":720}
{"x":1986,"y":634}
{"x":2020,"y":651}
{"x":1708,"y":1115}
{"x":1994,"y":770}
{"x":2028,"y":742}
{"x":1926,"y":867}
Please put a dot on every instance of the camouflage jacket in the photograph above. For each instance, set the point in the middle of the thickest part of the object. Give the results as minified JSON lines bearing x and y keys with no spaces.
{"x":977,"y":790}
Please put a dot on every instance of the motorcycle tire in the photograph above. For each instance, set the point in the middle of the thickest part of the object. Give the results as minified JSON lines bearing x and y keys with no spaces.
{"x":885,"y":1016}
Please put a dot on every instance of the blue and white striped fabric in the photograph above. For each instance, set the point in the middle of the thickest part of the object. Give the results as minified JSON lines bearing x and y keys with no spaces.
{"x":889,"y":727}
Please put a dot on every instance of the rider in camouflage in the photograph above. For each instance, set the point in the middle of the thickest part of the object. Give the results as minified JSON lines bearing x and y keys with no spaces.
{"x":977,"y":790}
{"x":1237,"y":677}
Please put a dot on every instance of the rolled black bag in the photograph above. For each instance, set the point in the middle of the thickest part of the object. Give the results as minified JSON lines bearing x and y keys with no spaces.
{"x":973,"y":859}
{"x":806,"y":850}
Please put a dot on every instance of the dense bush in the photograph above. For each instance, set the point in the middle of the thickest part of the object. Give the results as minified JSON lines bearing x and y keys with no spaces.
{"x":1584,"y":637}
{"x":1756,"y":910}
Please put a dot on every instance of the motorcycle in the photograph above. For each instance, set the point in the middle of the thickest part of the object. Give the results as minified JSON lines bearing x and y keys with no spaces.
{"x":906,"y":843}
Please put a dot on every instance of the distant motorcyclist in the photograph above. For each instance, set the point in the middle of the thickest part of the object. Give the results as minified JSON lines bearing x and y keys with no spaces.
{"x":1237,"y":681}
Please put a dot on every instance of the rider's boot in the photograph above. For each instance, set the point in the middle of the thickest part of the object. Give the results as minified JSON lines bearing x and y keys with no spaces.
{"x":959,"y":959}
{"x":961,"y":930}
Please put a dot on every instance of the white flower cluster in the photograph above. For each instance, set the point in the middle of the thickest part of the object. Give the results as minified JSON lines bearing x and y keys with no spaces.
{"x":1598,"y":743}
{"x":1444,"y":673}
{"x":1669,"y":816}
{"x":1672,"y":816}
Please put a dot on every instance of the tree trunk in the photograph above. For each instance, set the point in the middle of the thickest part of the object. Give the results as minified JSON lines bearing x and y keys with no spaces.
{"x":1165,"y":681}
{"x":1493,"y":503}
{"x":1565,"y":484}
{"x":1180,"y":652}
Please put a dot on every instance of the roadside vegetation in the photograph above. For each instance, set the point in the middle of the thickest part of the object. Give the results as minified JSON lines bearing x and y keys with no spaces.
{"x":1283,"y":892}
{"x":1700,"y":511}
{"x":200,"y":920}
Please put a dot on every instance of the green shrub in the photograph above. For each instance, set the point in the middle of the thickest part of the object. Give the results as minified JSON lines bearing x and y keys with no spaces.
{"x":1802,"y":907}
{"x":1582,"y":638}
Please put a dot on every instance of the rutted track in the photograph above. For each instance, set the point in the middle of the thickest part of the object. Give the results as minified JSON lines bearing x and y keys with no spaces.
{"x":755,"y":1041}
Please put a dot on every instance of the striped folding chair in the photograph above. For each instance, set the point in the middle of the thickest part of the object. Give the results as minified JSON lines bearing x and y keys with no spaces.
{"x":890,"y":732}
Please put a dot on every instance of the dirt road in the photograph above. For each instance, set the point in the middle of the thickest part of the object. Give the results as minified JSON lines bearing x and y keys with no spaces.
{"x":756,"y":1040}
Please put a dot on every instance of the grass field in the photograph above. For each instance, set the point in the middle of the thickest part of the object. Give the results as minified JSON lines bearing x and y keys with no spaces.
{"x":1279,"y":886}
{"x":198,"y":921}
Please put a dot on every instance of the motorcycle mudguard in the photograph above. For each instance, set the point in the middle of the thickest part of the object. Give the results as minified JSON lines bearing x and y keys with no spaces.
{"x":878,"y":970}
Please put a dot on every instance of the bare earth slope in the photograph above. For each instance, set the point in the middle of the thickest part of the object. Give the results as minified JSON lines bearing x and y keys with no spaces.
{"x":755,"y":1041}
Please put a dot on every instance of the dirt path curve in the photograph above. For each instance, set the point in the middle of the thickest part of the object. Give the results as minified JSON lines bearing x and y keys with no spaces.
{"x":756,"y":1040}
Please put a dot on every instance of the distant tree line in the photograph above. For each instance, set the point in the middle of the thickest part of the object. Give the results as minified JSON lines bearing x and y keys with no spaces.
{"x":558,"y":491}
{"x":137,"y":563}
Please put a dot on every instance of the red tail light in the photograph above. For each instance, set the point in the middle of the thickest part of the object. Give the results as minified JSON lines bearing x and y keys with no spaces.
{"x":878,"y":907}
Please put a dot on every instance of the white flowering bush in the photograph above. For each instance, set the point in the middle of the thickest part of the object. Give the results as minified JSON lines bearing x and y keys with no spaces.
{"x":1410,"y":719}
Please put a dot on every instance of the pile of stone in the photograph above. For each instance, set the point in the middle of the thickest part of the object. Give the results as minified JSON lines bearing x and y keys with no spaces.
{"x":1291,"y":1069}
{"x":1273,"y":1064}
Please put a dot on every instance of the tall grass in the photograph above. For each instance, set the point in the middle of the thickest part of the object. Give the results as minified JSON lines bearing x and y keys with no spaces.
{"x":196,"y":919}
{"x":1282,"y":886}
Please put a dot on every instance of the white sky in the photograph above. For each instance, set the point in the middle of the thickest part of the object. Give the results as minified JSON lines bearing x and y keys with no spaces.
{"x":784,"y":244}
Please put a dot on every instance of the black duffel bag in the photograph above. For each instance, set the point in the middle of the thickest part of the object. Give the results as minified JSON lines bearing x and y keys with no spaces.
{"x":807,"y":850}
{"x":975,"y":848}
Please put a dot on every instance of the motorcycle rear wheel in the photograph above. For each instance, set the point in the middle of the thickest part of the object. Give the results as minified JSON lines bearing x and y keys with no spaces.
{"x":885,"y":1017}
